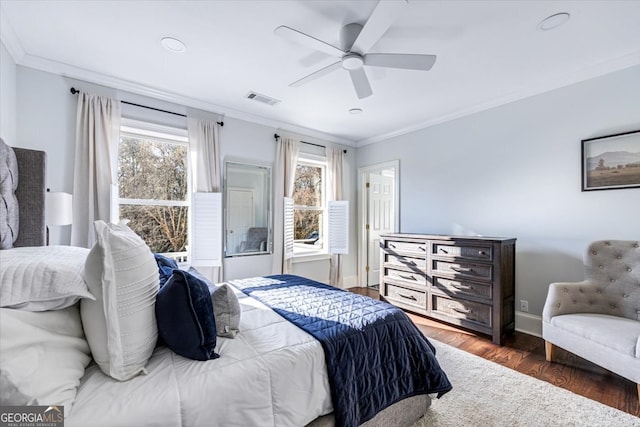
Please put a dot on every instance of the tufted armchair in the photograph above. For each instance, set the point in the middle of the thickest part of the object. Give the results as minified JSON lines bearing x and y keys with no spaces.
{"x":599,"y":319}
{"x":256,"y":240}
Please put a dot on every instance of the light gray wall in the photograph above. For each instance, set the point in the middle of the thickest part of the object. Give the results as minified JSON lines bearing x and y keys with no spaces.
{"x":7,"y":96}
{"x":515,"y":171}
{"x":46,"y":121}
{"x":46,"y":116}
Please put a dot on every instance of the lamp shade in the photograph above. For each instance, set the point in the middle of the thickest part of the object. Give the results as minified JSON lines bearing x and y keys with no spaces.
{"x":58,"y":208}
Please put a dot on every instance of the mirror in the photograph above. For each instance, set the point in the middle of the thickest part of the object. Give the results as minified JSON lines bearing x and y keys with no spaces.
{"x":247,"y":209}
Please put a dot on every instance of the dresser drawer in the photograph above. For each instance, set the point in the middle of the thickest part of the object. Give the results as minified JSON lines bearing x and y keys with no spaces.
{"x":406,"y":296}
{"x":463,"y":269}
{"x":410,"y":248}
{"x":455,"y":288}
{"x":413,"y":278}
{"x":475,"y":252}
{"x":465,"y":310}
{"x":415,"y":264}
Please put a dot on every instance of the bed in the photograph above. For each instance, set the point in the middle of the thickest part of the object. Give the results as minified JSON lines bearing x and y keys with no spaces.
{"x":283,"y":363}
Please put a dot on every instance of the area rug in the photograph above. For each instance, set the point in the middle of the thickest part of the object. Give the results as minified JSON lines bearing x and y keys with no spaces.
{"x":486,"y":394}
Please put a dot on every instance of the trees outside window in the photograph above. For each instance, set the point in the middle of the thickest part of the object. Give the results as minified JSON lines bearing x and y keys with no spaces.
{"x":309,"y":206}
{"x":153,"y":186}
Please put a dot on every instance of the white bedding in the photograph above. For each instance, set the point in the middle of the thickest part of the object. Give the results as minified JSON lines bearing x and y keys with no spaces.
{"x":42,"y":278}
{"x":271,"y":374}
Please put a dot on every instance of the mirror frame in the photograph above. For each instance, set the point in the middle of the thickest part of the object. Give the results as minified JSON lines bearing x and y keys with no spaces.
{"x":268,"y":172}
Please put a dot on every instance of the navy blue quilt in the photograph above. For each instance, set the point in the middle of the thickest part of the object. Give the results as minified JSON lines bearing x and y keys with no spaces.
{"x":374,"y":353}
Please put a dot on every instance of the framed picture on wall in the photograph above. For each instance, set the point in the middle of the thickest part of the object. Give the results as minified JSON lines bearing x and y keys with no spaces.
{"x":611,"y":162}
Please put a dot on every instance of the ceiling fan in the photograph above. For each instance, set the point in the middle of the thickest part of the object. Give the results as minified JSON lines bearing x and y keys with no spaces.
{"x":356,"y":40}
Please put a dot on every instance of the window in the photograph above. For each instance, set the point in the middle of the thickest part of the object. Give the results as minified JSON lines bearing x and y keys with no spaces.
{"x":309,"y":205}
{"x":153,"y":185}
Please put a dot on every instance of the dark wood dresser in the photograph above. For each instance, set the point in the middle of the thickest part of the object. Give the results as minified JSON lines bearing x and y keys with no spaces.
{"x":461,"y":280}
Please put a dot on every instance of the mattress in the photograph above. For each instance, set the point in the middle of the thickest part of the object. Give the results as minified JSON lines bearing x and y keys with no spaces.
{"x":271,"y":374}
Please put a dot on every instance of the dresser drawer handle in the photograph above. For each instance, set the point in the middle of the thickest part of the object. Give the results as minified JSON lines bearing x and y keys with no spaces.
{"x":411,"y":263}
{"x":392,"y":246}
{"x":462,"y":269}
{"x":459,"y":310}
{"x":463,"y":287}
{"x":442,"y":250}
{"x":411,"y":297}
{"x":422,"y":248}
{"x":482,"y":253}
{"x":407,"y":276}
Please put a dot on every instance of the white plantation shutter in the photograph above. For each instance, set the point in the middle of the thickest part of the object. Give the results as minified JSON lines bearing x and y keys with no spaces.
{"x":206,"y":230}
{"x":288,"y":228}
{"x":338,"y":227}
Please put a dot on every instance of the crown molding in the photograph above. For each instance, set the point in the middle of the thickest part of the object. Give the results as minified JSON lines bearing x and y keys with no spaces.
{"x":78,"y":73}
{"x":596,"y":70}
{"x":9,"y":38}
{"x":13,"y":45}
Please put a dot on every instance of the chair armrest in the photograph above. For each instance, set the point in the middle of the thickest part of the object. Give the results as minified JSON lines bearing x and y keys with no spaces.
{"x":571,"y":297}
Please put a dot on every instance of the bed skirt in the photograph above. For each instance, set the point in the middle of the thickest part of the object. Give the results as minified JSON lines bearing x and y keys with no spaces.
{"x":401,"y":414}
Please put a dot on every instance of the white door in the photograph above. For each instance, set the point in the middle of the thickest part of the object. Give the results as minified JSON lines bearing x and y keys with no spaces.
{"x":240,"y":202}
{"x":380,"y":218}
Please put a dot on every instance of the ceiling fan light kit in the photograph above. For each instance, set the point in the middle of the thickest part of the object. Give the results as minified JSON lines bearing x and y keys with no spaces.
{"x":355,"y":41}
{"x":352,"y":61}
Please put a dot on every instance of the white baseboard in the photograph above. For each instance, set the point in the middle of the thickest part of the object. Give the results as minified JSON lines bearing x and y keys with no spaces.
{"x":529,"y":323}
{"x":349,"y":282}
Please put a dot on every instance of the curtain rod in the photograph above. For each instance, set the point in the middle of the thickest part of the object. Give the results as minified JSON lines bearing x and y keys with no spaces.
{"x":75,"y":91}
{"x":276,"y":136}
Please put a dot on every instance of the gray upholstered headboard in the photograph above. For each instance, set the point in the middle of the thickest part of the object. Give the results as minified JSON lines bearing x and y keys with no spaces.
{"x":30,"y":195}
{"x":32,"y":167}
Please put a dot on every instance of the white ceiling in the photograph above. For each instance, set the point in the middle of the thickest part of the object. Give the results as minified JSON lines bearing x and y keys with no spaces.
{"x":489,"y":53}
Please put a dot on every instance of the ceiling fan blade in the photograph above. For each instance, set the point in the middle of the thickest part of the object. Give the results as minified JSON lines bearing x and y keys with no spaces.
{"x":321,"y":72}
{"x":360,"y":83}
{"x":400,"y":60}
{"x":308,"y":41}
{"x":385,"y":14}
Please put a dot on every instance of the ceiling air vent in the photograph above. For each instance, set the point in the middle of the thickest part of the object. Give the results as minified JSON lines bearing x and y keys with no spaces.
{"x":262,"y":98}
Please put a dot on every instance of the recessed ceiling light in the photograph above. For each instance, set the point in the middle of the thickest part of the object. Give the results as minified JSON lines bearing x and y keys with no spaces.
{"x":356,"y":111}
{"x":173,"y":45}
{"x":553,"y":21}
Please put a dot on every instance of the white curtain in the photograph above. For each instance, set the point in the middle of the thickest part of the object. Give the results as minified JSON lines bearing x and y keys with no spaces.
{"x":205,"y":155}
{"x":96,"y":160}
{"x":335,"y":192}
{"x":283,"y":184}
{"x":204,"y":147}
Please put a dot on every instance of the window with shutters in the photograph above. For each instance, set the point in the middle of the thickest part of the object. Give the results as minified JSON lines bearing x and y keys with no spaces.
{"x":309,"y":208}
{"x":153,"y":185}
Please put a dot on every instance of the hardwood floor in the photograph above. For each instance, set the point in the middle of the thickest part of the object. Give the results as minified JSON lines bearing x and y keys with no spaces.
{"x":525,"y":353}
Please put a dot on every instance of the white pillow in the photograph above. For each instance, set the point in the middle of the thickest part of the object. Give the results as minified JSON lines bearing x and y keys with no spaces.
{"x":42,"y":278}
{"x":42,"y":357}
{"x":120,"y":325}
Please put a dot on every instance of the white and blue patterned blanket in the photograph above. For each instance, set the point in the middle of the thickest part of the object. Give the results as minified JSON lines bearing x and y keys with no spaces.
{"x":374,"y":353}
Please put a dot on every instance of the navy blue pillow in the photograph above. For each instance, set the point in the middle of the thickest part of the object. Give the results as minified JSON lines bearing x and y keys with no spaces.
{"x":184,"y":314}
{"x":166,"y":266}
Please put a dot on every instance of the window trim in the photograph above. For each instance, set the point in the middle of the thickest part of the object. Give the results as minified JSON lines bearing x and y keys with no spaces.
{"x":151,"y":202}
{"x":311,"y":257}
{"x":153,"y":130}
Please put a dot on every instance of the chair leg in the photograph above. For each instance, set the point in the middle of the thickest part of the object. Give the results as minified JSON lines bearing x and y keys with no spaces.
{"x":549,"y":349}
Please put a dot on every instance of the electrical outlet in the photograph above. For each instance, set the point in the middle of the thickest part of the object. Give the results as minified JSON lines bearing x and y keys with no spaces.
{"x":524,"y":305}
